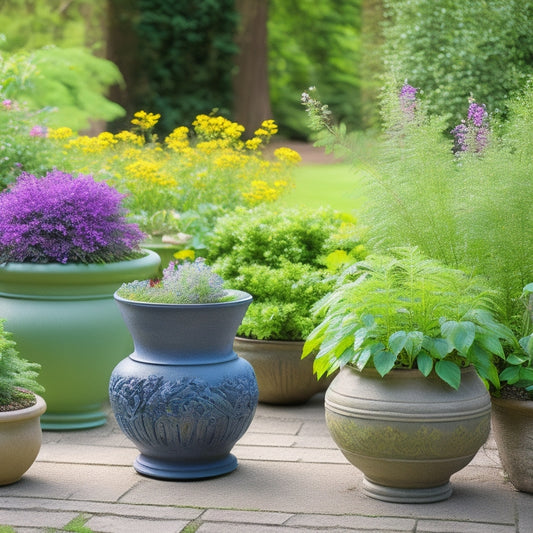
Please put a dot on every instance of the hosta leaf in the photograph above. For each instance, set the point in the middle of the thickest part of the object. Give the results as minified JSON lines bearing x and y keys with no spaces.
{"x":424,"y":363}
{"x":449,"y":372}
{"x":397,"y":342}
{"x":438,"y":348}
{"x":491,"y":343}
{"x":414,"y":343}
{"x":461,"y":335}
{"x":384,"y":361}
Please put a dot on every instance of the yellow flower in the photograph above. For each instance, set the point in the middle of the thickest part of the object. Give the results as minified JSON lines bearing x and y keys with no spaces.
{"x":59,"y":134}
{"x":261,"y":192}
{"x":144,"y":120}
{"x":185,"y":255}
{"x":150,"y":172}
{"x":287,"y":155}
{"x":129,"y":138}
{"x":270,"y":126}
{"x":254,"y":143}
{"x":178,"y":139}
{"x":208,"y":127}
{"x":230,"y":160}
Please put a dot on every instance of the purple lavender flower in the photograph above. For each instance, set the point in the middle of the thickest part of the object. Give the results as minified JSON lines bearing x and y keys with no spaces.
{"x":66,"y":219}
{"x":472,"y":135}
{"x":408,"y":100}
{"x":477,"y":114}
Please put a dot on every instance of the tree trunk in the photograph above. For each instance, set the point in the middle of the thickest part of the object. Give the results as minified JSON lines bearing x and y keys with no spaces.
{"x":251,"y":103}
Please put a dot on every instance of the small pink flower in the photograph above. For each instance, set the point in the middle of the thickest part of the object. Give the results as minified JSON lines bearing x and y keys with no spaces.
{"x":38,"y":131}
{"x":7,"y":103}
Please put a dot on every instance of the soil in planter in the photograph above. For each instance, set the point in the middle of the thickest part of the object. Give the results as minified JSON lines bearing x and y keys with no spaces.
{"x":508,"y":392}
{"x":21,"y":400}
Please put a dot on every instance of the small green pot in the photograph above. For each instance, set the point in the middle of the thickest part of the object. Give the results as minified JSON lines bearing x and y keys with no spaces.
{"x":65,"y":318}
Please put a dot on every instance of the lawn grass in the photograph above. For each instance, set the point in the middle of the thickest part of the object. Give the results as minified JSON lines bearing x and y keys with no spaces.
{"x":333,"y":185}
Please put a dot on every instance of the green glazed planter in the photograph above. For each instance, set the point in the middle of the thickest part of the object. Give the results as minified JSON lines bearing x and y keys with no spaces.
{"x":65,"y":318}
{"x":407,"y":433}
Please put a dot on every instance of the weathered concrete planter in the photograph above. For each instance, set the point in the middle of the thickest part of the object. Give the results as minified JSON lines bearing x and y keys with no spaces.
{"x":512,"y":423}
{"x":407,"y":434}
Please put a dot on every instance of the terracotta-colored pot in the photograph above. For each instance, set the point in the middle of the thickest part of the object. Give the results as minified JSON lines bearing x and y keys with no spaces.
{"x":283,"y":377}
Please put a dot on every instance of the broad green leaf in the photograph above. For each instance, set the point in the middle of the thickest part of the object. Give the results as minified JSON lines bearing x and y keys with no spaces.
{"x":461,"y":335}
{"x":397,"y":342}
{"x":368,"y":320}
{"x":516,"y":359}
{"x":438,"y":348}
{"x":384,"y":361}
{"x":363,"y":358}
{"x":424,"y":363}
{"x":527,"y":344}
{"x":511,"y":374}
{"x":526,"y":374}
{"x":491,"y":343}
{"x":449,"y":372}
{"x":414,"y":343}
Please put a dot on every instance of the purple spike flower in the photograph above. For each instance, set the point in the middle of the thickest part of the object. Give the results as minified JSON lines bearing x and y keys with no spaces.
{"x":473,"y":133}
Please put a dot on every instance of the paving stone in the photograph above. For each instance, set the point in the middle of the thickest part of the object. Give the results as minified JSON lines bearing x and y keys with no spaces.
{"x":30,"y":518}
{"x":90,"y":455}
{"x":121,"y":524}
{"x":301,"y":455}
{"x":365,"y":523}
{"x":77,"y":506}
{"x":447,"y":526}
{"x":78,"y":482}
{"x":250,"y":517}
{"x":267,"y":439}
{"x":275,"y":426}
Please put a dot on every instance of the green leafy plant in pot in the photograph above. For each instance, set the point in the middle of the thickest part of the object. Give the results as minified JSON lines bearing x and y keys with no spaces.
{"x":65,"y":247}
{"x":286,"y":259}
{"x":20,"y":411}
{"x":462,"y":197}
{"x":411,"y":337}
{"x":193,"y":396}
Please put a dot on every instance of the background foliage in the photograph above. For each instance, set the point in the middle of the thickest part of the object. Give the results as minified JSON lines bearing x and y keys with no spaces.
{"x":314,"y":43}
{"x":186,"y":58}
{"x":452,"y":50}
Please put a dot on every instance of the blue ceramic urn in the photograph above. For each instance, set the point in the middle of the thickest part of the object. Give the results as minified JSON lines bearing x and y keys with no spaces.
{"x":184,"y":397}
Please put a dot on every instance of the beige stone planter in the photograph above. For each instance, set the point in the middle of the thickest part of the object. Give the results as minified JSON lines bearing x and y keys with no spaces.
{"x":20,"y":441}
{"x":283,"y":377}
{"x":407,"y":434}
{"x":512,"y":424}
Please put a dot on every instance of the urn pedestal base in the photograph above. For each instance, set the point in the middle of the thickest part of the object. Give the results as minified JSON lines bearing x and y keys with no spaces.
{"x":174,"y":470}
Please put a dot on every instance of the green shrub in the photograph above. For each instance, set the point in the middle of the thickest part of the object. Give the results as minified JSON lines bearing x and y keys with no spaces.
{"x":14,"y":371}
{"x":285,"y":258}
